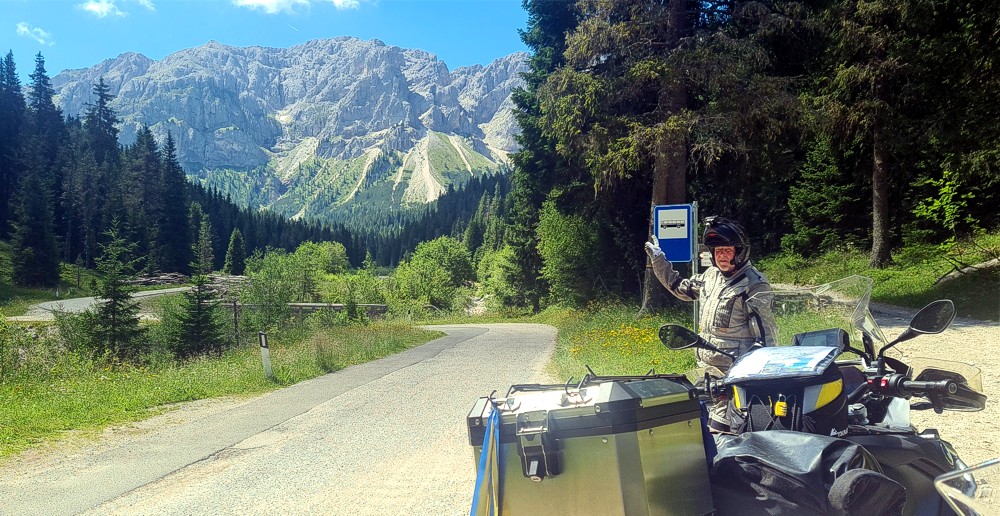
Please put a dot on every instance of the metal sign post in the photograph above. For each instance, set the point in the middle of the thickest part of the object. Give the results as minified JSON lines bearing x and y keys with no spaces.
{"x":265,"y":354}
{"x":695,"y":247}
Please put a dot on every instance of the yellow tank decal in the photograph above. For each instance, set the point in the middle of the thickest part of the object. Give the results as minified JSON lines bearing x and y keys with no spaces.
{"x":736,"y":397}
{"x":827,"y":393}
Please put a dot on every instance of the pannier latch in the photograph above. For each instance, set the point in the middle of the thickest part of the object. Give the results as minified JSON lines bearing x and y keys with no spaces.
{"x":538,"y":450}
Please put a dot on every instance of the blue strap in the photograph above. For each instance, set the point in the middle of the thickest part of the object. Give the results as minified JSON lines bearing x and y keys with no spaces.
{"x":487,"y":475}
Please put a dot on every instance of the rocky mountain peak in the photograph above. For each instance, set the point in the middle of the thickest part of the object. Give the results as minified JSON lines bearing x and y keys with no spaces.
{"x":339,"y":98}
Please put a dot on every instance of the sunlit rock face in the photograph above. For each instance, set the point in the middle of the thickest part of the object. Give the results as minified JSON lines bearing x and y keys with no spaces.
{"x":340,"y":99}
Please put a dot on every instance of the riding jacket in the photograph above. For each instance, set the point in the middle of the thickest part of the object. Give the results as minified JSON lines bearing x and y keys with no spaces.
{"x":726,"y":320}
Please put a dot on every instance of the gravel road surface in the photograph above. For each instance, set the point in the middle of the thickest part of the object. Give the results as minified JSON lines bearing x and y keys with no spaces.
{"x":974,"y":435}
{"x":386,"y":437}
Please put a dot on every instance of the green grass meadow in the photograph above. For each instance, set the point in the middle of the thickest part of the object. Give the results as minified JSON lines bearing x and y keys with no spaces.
{"x":611,"y":340}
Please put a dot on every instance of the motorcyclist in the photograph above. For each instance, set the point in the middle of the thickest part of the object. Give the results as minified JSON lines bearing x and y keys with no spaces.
{"x":726,"y":320}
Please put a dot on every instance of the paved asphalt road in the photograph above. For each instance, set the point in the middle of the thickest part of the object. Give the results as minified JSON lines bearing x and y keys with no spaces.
{"x":44,"y":311}
{"x":388,"y":437}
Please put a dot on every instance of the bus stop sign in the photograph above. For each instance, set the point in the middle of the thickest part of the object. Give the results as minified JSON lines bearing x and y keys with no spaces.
{"x":675,"y":231}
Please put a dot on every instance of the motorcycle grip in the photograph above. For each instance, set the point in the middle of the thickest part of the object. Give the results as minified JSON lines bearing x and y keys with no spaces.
{"x":939,"y":387}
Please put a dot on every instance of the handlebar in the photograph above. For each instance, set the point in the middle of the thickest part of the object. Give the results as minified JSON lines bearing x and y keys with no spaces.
{"x":899,"y":386}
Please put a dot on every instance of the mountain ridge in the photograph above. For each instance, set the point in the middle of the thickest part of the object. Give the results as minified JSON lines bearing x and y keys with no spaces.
{"x":329,"y":101}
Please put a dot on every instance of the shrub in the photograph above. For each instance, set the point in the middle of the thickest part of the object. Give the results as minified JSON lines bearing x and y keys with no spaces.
{"x":425,"y":282}
{"x":568,"y":244}
{"x":270,"y":288}
{"x":328,"y":257}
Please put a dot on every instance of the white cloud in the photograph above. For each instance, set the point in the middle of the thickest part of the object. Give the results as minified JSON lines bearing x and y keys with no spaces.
{"x":148,"y":4}
{"x":101,"y":8}
{"x":271,"y":6}
{"x":288,"y":6}
{"x":35,"y":33}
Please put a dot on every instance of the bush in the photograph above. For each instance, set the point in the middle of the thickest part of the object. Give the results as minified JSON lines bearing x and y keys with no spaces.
{"x":424,"y":282}
{"x":328,"y":257}
{"x":367,"y":287}
{"x":497,"y":275}
{"x":363,"y":285}
{"x":272,"y":285}
{"x":449,"y":255}
{"x":568,"y":244}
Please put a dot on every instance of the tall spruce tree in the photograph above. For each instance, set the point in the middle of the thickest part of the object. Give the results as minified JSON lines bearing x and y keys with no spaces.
{"x":142,"y":195}
{"x":84,"y":199}
{"x":118,"y":331}
{"x":12,"y":109}
{"x":537,"y":163}
{"x":45,"y":118}
{"x":174,"y":229}
{"x":101,"y":123}
{"x":236,"y":255}
{"x":35,"y":260}
{"x":46,"y":133}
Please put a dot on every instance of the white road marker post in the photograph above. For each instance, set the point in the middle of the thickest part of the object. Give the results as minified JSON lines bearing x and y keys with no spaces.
{"x":265,"y":354}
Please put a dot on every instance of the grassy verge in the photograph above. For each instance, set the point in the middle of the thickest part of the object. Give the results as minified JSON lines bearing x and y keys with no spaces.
{"x":613,"y":341}
{"x":913,"y":278}
{"x":609,"y":338}
{"x":80,"y":395}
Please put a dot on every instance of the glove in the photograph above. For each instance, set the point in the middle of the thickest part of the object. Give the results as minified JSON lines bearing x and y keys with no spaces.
{"x":653,"y":249}
{"x":661,"y":267}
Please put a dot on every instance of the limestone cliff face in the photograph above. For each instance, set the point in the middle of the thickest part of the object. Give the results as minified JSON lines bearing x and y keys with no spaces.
{"x":340,"y":99}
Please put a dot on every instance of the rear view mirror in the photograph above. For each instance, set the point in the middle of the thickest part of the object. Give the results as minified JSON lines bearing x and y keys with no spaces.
{"x":934,"y":318}
{"x":677,"y":337}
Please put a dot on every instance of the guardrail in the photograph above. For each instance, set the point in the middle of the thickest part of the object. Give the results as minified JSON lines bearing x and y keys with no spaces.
{"x":371,"y":310}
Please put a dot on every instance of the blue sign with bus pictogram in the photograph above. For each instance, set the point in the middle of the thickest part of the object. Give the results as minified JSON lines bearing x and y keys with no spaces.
{"x":674,"y":230}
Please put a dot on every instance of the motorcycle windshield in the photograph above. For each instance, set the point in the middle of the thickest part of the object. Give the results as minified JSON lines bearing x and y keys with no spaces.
{"x":813,"y":316}
{"x":808,"y":311}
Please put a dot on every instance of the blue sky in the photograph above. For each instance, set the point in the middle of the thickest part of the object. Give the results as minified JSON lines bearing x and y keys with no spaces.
{"x":81,"y":33}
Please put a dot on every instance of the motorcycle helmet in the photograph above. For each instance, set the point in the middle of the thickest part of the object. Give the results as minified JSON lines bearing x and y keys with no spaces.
{"x":722,"y":232}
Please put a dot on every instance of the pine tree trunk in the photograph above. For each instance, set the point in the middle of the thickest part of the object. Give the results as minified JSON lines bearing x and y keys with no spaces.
{"x":880,"y":205}
{"x":670,"y":163}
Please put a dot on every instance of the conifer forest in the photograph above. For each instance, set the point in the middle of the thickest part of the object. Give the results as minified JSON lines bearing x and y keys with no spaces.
{"x":865,"y":124}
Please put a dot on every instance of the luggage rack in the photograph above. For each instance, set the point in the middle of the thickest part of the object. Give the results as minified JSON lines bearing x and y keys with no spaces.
{"x":591,"y":378}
